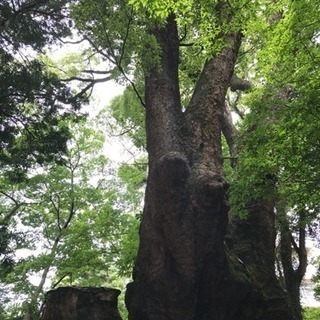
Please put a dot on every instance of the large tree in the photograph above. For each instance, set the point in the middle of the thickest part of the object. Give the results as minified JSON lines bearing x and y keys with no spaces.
{"x":183,"y":270}
{"x":186,"y":54}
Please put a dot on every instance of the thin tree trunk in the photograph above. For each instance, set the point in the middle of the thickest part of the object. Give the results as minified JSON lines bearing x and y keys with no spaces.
{"x":293,"y":276}
{"x":32,"y":305}
{"x":35,"y":295}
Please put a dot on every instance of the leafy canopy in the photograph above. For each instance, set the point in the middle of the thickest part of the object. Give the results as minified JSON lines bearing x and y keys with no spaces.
{"x":32,"y":98}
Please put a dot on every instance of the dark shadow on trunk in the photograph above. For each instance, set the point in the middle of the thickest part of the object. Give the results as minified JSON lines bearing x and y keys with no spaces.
{"x":253,"y":241}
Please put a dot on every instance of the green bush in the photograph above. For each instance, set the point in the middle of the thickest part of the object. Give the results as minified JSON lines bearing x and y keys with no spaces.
{"x":311,"y":313}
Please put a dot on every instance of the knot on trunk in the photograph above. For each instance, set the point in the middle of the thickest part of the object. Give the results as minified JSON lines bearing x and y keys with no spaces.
{"x":209,"y":189}
{"x":239,"y":84}
{"x":172,"y":171}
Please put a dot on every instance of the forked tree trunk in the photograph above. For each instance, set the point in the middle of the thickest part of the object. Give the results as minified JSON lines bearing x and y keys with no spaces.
{"x":183,"y":269}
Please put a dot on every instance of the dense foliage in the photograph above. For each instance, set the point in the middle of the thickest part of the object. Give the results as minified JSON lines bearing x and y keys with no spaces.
{"x":32,"y":99}
{"x":278,"y":139}
{"x":55,"y":186}
{"x":77,"y":223}
{"x":280,"y":133}
{"x":311,"y":313}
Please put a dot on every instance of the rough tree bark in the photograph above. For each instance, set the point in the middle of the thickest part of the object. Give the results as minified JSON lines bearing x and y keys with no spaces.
{"x":81,"y":303}
{"x":183,"y":269}
{"x":253,"y":241}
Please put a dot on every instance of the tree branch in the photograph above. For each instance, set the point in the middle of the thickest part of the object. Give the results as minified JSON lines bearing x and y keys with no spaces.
{"x":302,"y":253}
{"x":11,"y":213}
{"x":16,"y":207}
{"x":90,"y":86}
{"x":239,"y":84}
{"x":64,"y":276}
{"x":230,"y":133}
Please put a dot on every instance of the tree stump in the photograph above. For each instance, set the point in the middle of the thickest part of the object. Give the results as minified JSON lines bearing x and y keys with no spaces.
{"x":81,"y":303}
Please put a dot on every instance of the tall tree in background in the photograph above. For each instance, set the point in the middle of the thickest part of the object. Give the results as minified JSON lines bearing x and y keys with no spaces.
{"x":38,"y":109}
{"x":76,"y":220}
{"x":279,"y":140}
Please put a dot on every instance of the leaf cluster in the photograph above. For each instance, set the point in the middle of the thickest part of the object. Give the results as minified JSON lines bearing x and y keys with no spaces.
{"x":33,"y":23}
{"x":311,"y":313}
{"x":33,"y":100}
{"x":279,"y":136}
{"x":127,"y":110}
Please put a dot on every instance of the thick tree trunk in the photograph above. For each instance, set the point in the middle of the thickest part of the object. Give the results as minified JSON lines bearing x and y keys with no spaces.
{"x":181,"y":260}
{"x":183,"y":268}
{"x":253,"y":241}
{"x":81,"y":303}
